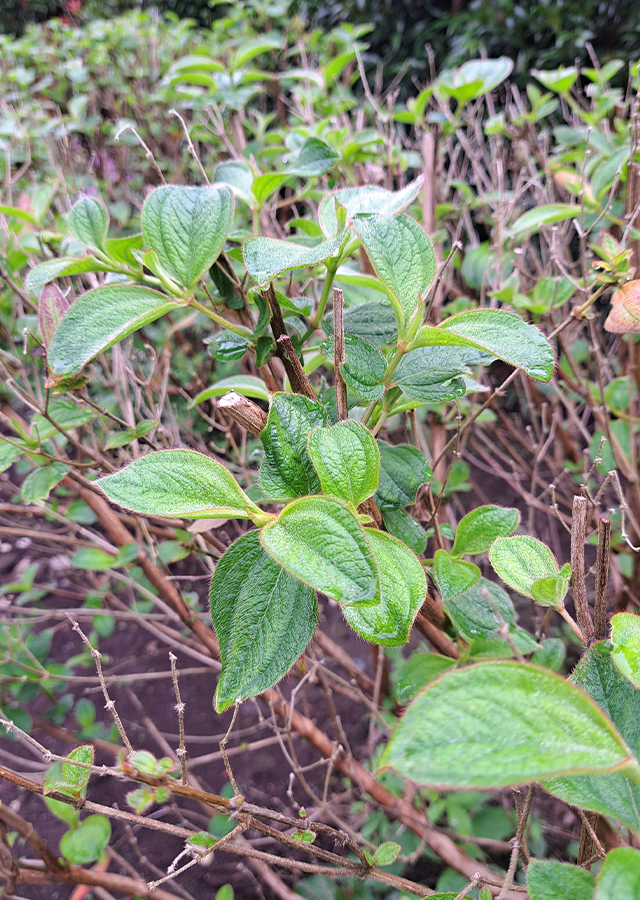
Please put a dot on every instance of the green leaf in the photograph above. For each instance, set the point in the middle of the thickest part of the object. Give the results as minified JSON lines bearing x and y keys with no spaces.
{"x":265,"y":258}
{"x":265,"y":185}
{"x":77,"y":777}
{"x":499,"y":724}
{"x":535,"y":219}
{"x":374,"y":322}
{"x":315,"y":158}
{"x":454,"y":576}
{"x":93,"y":559}
{"x":613,"y":795}
{"x":478,"y":529}
{"x":403,"y":258}
{"x":287,"y":471}
{"x":178,"y":483}
{"x":550,"y":591}
{"x":386,"y":854}
{"x":8,"y":454}
{"x":500,"y":333}
{"x":321,"y":542}
{"x":64,"y":811}
{"x":347,"y":460}
{"x":89,"y":222}
{"x":66,"y":413}
{"x":403,"y":588}
{"x":432,"y":374}
{"x":419,"y":671}
{"x":51,"y":308}
{"x":202,"y":841}
{"x":403,"y":526}
{"x":561,"y":80}
{"x":552,"y":880}
{"x":18,"y":213}
{"x":263,"y":618}
{"x":121,"y":249}
{"x":521,"y":561}
{"x":187,"y":227}
{"x":550,"y":654}
{"x":620,"y":875}
{"x":480,"y":612}
{"x":86,"y":843}
{"x":366,"y":199}
{"x":99,"y":319}
{"x":239,"y":176}
{"x":38,"y":484}
{"x":364,"y":366}
{"x":625,"y":637}
{"x":403,"y":469}
{"x":227,"y":345}
{"x":247,"y":385}
{"x":56,"y":268}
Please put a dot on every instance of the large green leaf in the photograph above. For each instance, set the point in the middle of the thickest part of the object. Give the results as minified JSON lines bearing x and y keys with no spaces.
{"x":403,"y":526}
{"x":89,"y":222}
{"x":366,"y":199}
{"x":613,"y":795}
{"x":178,"y":483}
{"x":500,"y":333}
{"x":347,"y":460}
{"x":263,"y":618}
{"x":320,"y":541}
{"x":363,"y":368}
{"x":522,"y":560}
{"x":403,"y":469}
{"x":619,"y":876}
{"x":85,"y":843}
{"x":433,"y":374}
{"x":267,"y":257}
{"x":374,"y":322}
{"x":480,"y":612}
{"x":402,"y":256}
{"x":187,"y":228}
{"x":287,"y":471}
{"x":403,"y":588}
{"x":625,"y":637}
{"x":499,"y":724}
{"x":99,"y":319}
{"x":551,"y":880}
{"x":478,"y":529}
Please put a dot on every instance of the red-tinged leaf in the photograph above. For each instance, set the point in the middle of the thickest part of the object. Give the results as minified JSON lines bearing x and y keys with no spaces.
{"x":624,"y":317}
{"x":53,"y":305}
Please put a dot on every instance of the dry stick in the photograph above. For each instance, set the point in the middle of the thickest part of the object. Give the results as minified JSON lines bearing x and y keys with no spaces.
{"x":578,"y":536}
{"x":517,"y":844}
{"x":225,"y":758}
{"x":77,"y":875}
{"x":298,"y":380}
{"x":339,"y":355}
{"x":245,"y":412}
{"x":16,"y":823}
{"x":602,"y":576}
{"x":181,"y":752}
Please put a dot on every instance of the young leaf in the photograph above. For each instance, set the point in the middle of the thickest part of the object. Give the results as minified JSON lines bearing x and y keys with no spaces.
{"x":99,"y":319}
{"x":315,"y":158}
{"x":287,"y":471}
{"x":178,"y":483}
{"x":386,"y":853}
{"x":478,"y":530}
{"x":419,"y":671}
{"x":263,"y":618}
{"x":402,"y":256}
{"x":38,"y":484}
{"x":403,"y":588}
{"x":521,"y":561}
{"x":367,"y":199}
{"x":187,"y":228}
{"x":403,"y":469}
{"x":550,"y":880}
{"x":85,"y":844}
{"x":247,"y":385}
{"x":454,"y":576}
{"x":625,"y":637}
{"x":265,"y":258}
{"x":498,"y":724}
{"x":481,"y":611}
{"x":613,"y":795}
{"x":265,"y":185}
{"x":534,"y":220}
{"x":500,"y":333}
{"x":77,"y":777}
{"x":550,"y":591}
{"x":403,"y":526}
{"x":620,"y":875}
{"x":347,"y":460}
{"x":89,"y":222}
{"x":320,"y":541}
{"x":56,"y":268}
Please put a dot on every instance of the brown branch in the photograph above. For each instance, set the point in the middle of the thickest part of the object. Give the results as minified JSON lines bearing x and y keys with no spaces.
{"x":339,"y":354}
{"x":245,"y":412}
{"x":107,"y":880}
{"x":16,"y":823}
{"x":602,"y":577}
{"x":297,"y":376}
{"x":578,"y":536}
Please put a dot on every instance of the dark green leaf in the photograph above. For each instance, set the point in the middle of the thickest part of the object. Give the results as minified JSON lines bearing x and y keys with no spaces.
{"x":419,"y":671}
{"x":364,"y":367}
{"x":226,"y":345}
{"x":266,"y":257}
{"x":403,"y":526}
{"x":403,"y":469}
{"x":374,"y":322}
{"x":432,"y":374}
{"x":478,"y":529}
{"x":480,"y":612}
{"x":347,"y":460}
{"x":315,"y":158}
{"x":287,"y":471}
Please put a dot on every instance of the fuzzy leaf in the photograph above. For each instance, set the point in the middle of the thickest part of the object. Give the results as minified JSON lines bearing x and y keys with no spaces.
{"x":287,"y":471}
{"x":89,"y":222}
{"x":347,"y":460}
{"x":403,"y":469}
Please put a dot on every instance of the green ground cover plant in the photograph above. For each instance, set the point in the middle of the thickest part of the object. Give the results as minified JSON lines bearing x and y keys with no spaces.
{"x":368,"y":372}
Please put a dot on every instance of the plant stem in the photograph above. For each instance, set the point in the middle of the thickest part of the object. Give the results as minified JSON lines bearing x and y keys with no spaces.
{"x":332,"y":268}
{"x":210,"y":314}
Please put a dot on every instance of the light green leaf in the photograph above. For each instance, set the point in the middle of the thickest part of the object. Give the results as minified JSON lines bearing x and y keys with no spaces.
{"x":93,"y":559}
{"x":18,"y":213}
{"x":403,"y":588}
{"x":247,"y":385}
{"x":551,"y":880}
{"x":454,"y":576}
{"x":77,"y":777}
{"x":287,"y":471}
{"x":419,"y":671}
{"x":534,"y":220}
{"x":99,"y":319}
{"x":250,"y":49}
{"x":613,"y":795}
{"x":347,"y":460}
{"x":187,"y":228}
{"x":366,"y":199}
{"x":403,"y":258}
{"x":265,"y":258}
{"x":403,"y":526}
{"x":66,"y":413}
{"x":625,"y":637}
{"x":561,"y":80}
{"x":550,"y":655}
{"x":86,"y":843}
{"x":480,"y":612}
{"x":522,"y":560}
{"x":8,"y":453}
{"x":265,"y":185}
{"x":64,"y":265}
{"x":403,"y":469}
{"x":121,"y":249}
{"x":550,"y":591}
{"x":89,"y":222}
{"x":620,"y":875}
{"x":263,"y":618}
{"x":320,"y":541}
{"x":500,"y":333}
{"x":315,"y":158}
{"x":498,"y":724}
{"x":479,"y":529}
{"x":386,"y":853}
{"x":178,"y":483}
{"x":38,"y":484}
{"x":239,"y":176}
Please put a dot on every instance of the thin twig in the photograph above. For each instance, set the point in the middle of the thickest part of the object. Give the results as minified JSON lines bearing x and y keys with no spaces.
{"x":578,"y":536}
{"x":181,"y":752}
{"x":602,"y":576}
